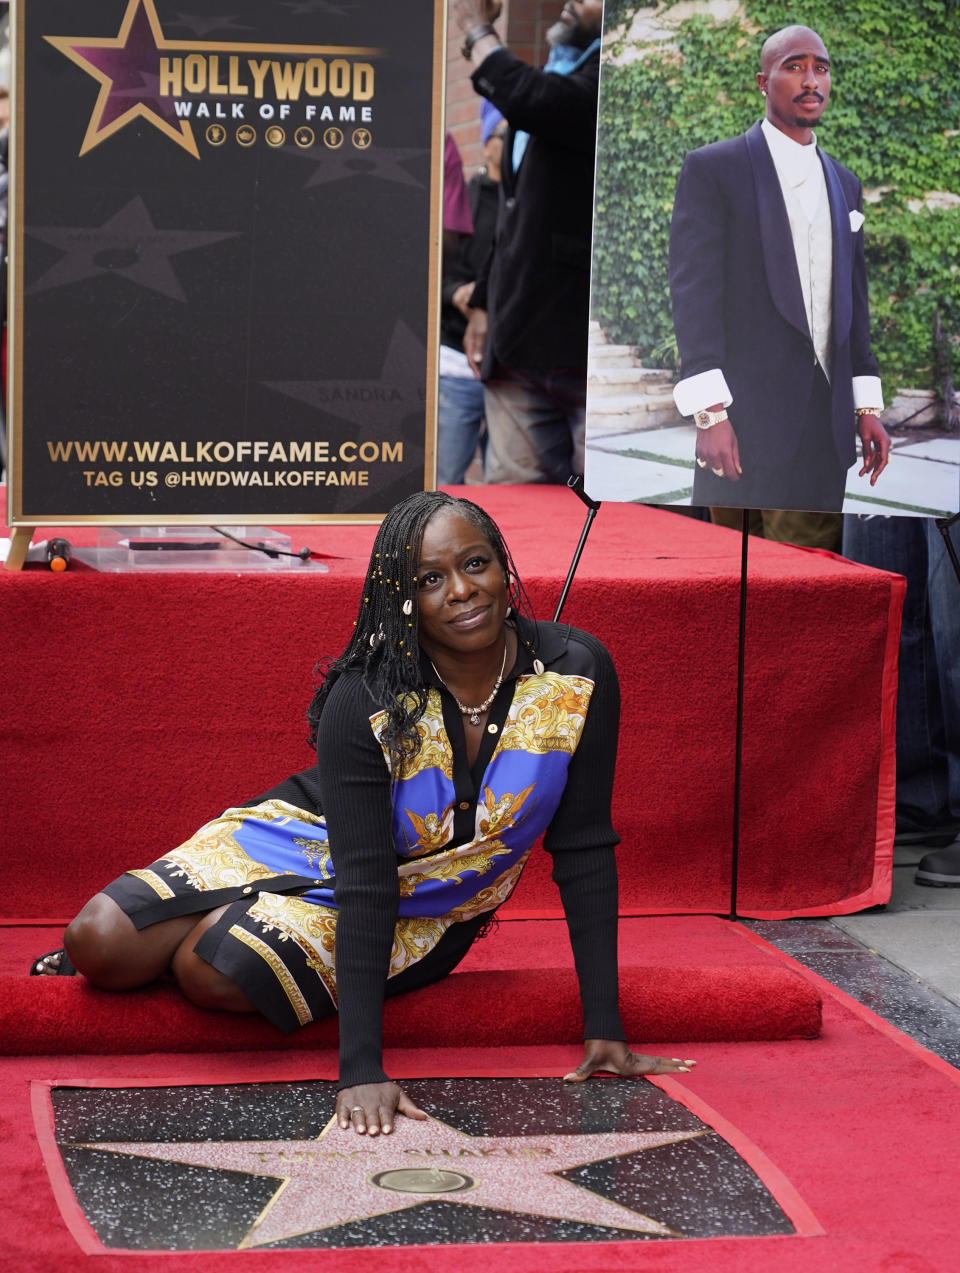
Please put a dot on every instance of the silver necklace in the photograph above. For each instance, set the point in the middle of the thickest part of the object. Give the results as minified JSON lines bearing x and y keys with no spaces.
{"x":474,"y":713}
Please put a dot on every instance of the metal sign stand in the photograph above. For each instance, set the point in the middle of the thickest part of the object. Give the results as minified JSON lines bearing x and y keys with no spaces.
{"x":576,"y":485}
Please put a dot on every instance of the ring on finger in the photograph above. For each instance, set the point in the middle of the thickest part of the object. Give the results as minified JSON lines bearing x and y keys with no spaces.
{"x":356,"y":1109}
{"x":701,"y":463}
{"x":719,"y":472}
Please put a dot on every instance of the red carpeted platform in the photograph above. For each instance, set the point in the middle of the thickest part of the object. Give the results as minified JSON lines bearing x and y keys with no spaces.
{"x":682,"y":979}
{"x":133,"y":707}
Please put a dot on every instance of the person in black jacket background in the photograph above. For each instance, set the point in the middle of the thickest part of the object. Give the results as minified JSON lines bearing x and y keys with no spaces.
{"x":527,"y":336}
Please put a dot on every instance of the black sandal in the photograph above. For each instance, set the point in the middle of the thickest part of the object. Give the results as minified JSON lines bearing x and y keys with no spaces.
{"x":63,"y":969}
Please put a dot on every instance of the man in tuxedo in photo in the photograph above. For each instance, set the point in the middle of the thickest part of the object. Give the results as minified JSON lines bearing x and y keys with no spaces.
{"x":769,"y":291}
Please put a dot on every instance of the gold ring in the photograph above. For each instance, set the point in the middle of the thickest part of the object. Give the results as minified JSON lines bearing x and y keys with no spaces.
{"x":719,"y":472}
{"x":356,"y":1109}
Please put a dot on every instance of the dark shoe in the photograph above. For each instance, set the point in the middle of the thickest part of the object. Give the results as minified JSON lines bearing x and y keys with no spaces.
{"x":45,"y":966}
{"x":937,"y":837}
{"x":940,"y":869}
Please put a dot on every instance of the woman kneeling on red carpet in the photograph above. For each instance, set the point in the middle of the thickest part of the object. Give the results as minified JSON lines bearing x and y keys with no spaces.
{"x":451,"y":733}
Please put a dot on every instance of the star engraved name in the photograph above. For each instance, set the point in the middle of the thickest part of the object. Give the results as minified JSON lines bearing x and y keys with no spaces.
{"x":332,"y":1180}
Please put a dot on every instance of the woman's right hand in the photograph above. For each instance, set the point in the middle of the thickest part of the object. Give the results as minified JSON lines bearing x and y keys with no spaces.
{"x":371,"y":1108}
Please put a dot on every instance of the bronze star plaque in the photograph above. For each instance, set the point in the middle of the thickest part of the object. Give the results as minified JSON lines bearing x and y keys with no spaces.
{"x":264,"y":1166}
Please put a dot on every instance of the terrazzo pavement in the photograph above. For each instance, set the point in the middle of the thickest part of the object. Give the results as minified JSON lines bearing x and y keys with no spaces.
{"x":902,"y":960}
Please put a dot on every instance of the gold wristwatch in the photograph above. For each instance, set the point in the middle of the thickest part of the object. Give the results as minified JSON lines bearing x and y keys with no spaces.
{"x":707,"y":419}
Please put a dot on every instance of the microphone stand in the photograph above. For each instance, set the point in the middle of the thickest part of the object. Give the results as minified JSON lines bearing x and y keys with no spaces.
{"x":593,"y":505}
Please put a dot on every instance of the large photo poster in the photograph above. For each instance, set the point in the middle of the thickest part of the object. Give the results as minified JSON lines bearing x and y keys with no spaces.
{"x":225,"y":243}
{"x":776,"y":254}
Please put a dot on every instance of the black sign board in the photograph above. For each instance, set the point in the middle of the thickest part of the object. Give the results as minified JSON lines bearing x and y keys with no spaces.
{"x":225,"y":240}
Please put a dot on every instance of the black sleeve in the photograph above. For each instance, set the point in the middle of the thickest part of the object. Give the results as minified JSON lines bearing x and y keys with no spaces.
{"x":862,"y":358}
{"x":300,"y":790}
{"x":562,"y":109}
{"x":581,"y":840}
{"x":698,"y":232}
{"x":356,"y":795}
{"x":479,"y":298}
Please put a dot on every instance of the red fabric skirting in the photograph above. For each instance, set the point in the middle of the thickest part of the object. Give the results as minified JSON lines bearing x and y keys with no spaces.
{"x":134,"y":707}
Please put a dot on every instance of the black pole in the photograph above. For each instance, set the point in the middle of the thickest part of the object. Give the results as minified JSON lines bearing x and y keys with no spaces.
{"x":576,"y":485}
{"x":738,"y":747}
{"x":943,"y":526}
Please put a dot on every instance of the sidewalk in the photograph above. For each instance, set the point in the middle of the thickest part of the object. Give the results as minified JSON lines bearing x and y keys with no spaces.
{"x":903,"y":962}
{"x":655,"y":466}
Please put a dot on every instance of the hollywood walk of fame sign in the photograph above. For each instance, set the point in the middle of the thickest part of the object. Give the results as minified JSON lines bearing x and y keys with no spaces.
{"x":224,"y":255}
{"x":264,"y":1166}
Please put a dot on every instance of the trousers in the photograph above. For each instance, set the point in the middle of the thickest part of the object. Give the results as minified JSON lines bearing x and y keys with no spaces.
{"x":928,"y":694}
{"x":536,"y":424}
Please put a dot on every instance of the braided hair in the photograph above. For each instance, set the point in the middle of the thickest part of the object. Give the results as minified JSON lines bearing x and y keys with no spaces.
{"x":385,"y":641}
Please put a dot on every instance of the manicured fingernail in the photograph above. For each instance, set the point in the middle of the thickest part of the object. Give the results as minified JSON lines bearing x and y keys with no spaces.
{"x":683,"y":1068}
{"x":387,"y":1130}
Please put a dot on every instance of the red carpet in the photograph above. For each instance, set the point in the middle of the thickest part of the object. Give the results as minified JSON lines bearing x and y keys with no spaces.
{"x":685,"y":979}
{"x":492,"y":1009}
{"x":861,"y":1128}
{"x":134,"y":707}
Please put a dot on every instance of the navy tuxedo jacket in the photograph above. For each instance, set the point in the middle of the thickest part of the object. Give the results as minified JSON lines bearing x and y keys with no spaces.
{"x":737,"y":302}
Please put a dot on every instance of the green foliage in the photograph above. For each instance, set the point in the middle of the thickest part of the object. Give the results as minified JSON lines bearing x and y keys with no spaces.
{"x":616,"y":12}
{"x":893,"y":118}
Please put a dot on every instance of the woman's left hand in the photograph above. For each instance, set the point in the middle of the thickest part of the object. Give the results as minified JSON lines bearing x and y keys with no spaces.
{"x":614,"y":1057}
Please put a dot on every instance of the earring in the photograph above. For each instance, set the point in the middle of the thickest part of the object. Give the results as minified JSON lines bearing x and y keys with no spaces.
{"x":407,"y":607}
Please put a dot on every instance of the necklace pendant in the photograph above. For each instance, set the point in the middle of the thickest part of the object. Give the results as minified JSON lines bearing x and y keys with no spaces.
{"x":474,"y":718}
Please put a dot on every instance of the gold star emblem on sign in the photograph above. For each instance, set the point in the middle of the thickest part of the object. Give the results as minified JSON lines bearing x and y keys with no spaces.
{"x":341,"y":1177}
{"x":127,"y":67}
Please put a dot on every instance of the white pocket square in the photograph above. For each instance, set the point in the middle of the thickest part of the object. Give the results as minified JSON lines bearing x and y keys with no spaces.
{"x":856,"y":221}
